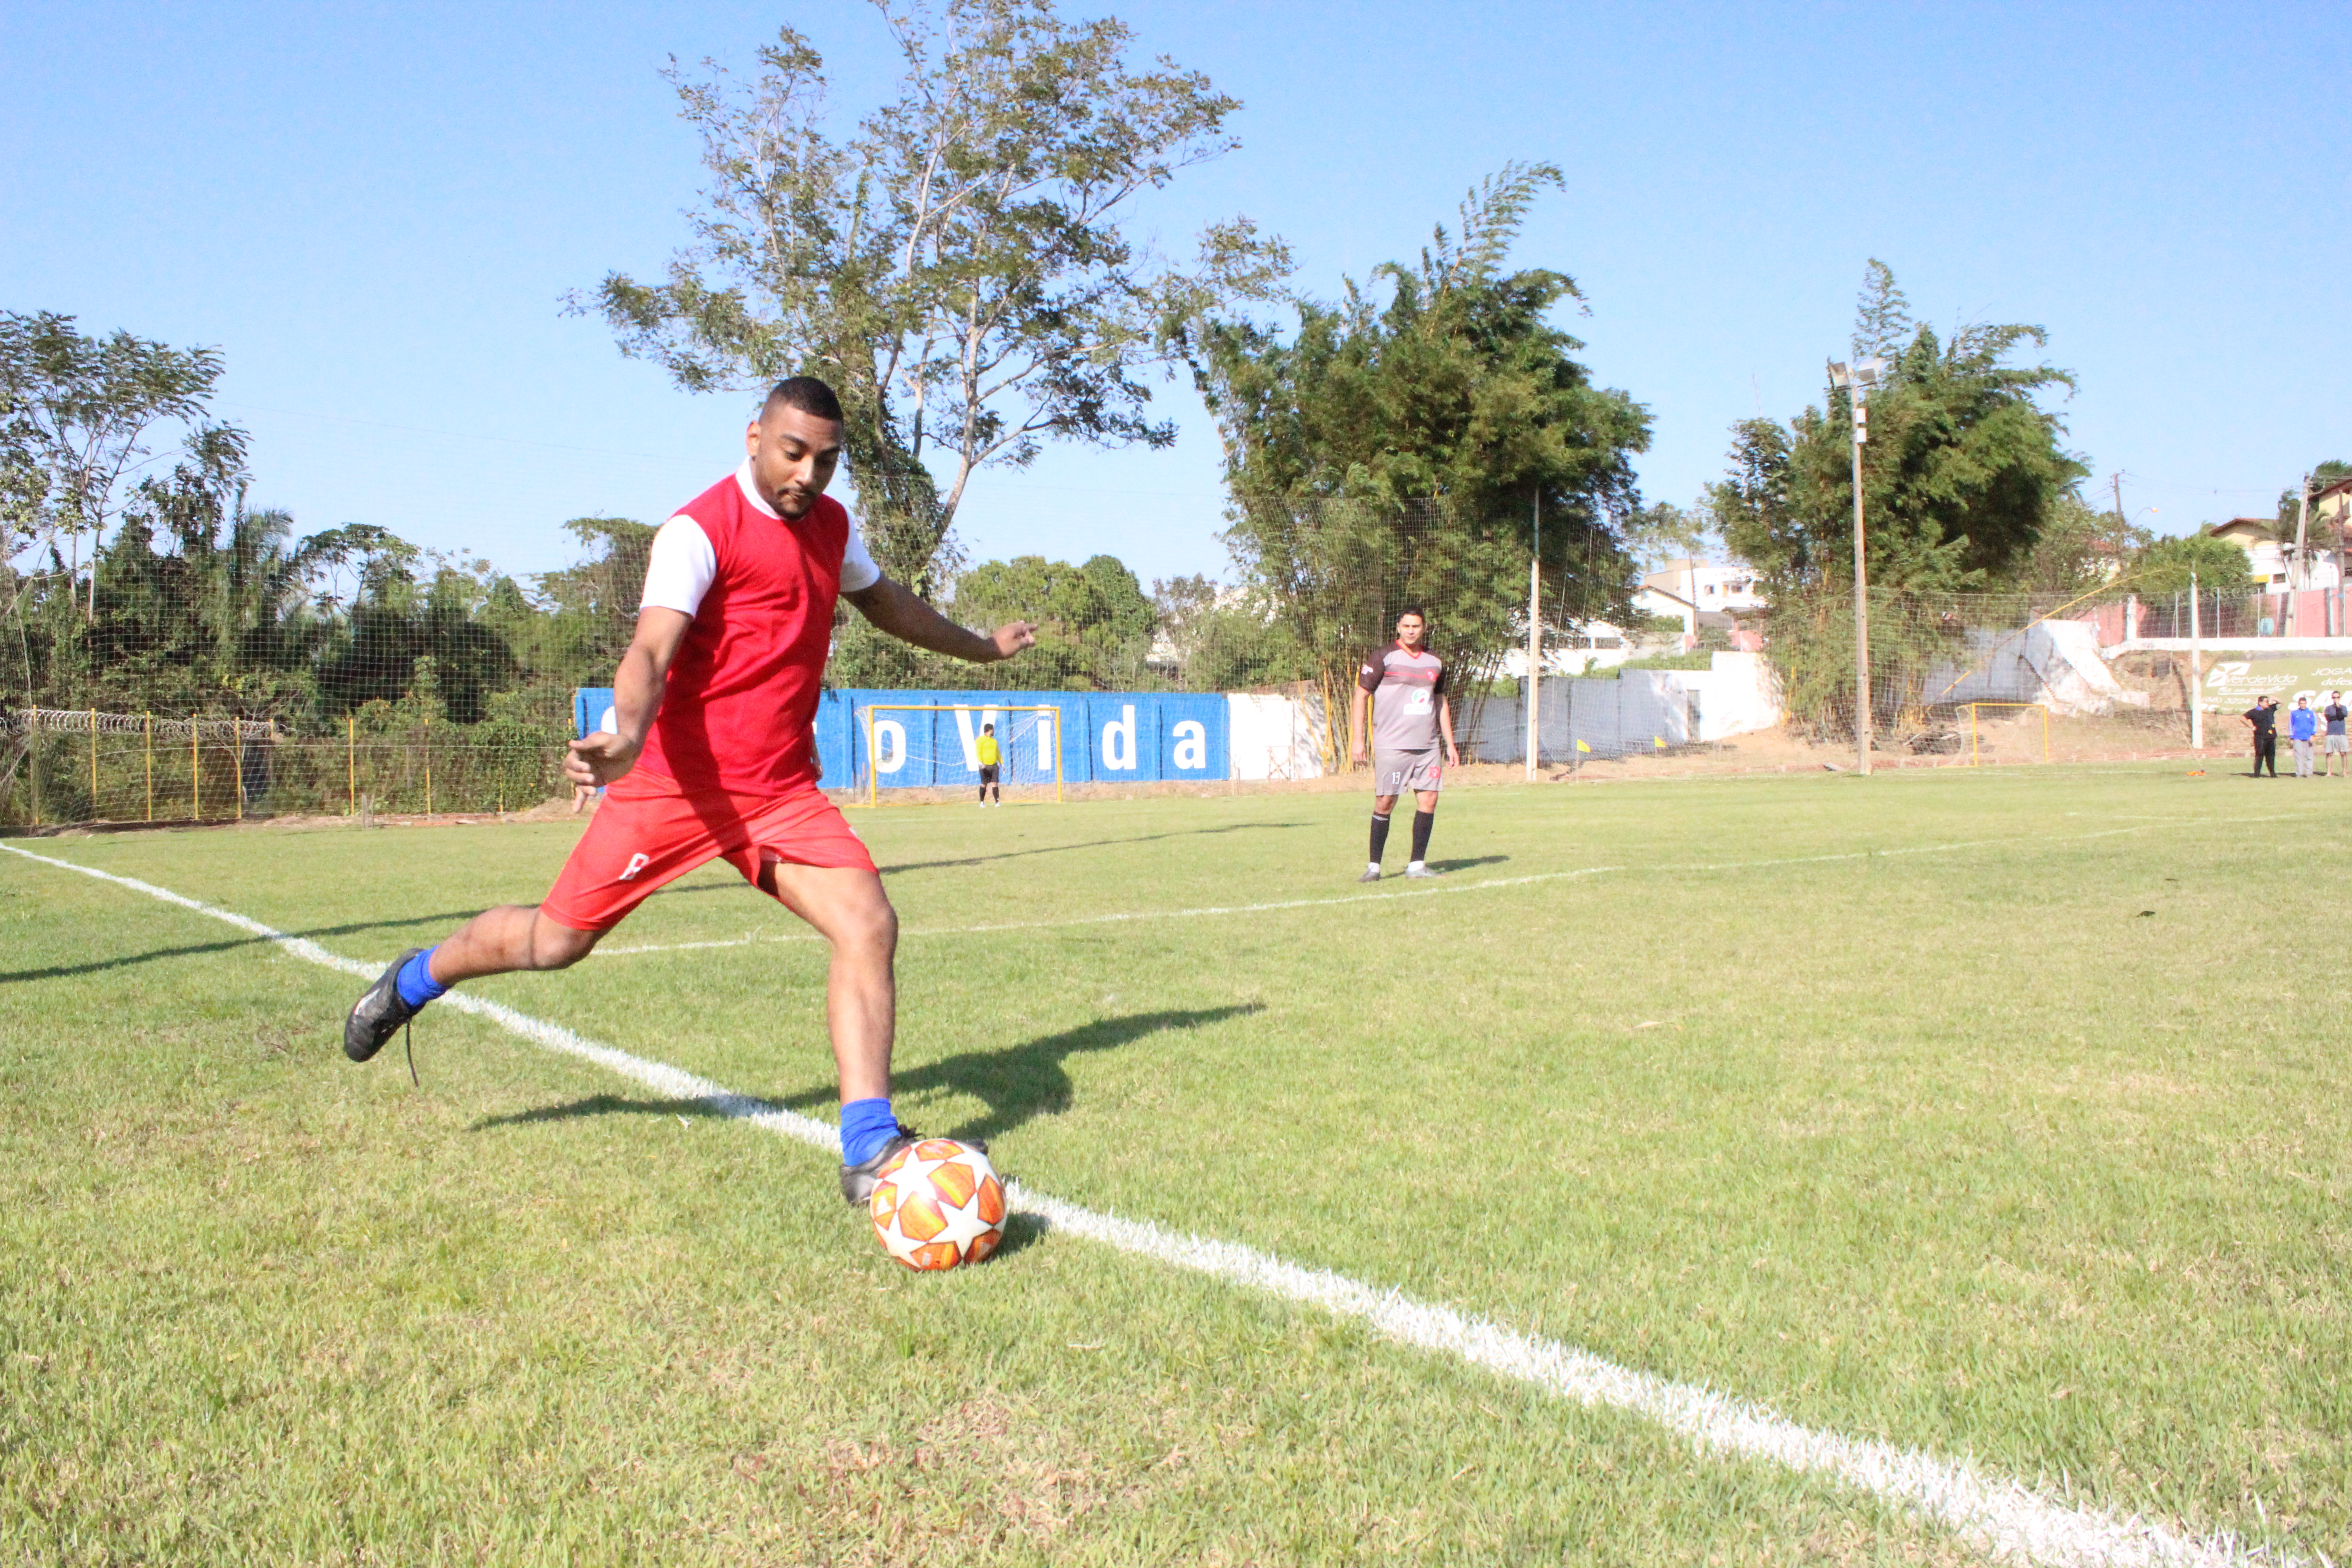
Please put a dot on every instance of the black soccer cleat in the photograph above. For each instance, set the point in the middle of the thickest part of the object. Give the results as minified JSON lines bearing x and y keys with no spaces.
{"x":378,"y":1015}
{"x":858,"y":1180}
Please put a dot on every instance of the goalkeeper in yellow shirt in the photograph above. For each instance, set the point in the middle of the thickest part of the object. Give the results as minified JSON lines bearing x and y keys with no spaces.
{"x":989,"y":757}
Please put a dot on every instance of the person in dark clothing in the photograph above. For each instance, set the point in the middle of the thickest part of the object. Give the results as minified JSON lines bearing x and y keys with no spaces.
{"x":2262,"y":720}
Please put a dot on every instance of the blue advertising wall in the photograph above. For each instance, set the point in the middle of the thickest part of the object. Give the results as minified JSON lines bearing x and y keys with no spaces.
{"x":1104,"y":737}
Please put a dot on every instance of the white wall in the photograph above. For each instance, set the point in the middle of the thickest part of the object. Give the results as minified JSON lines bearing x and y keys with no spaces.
{"x":1635,"y":712}
{"x":1275,"y":737}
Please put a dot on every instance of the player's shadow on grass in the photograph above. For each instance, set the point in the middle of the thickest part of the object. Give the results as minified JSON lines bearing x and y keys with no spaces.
{"x":1468,"y":862}
{"x":1016,"y":1084}
{"x":1024,"y":1081}
{"x":227,"y":944}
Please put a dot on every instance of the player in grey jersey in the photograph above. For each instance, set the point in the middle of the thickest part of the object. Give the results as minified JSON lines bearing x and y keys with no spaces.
{"x":1404,"y":684}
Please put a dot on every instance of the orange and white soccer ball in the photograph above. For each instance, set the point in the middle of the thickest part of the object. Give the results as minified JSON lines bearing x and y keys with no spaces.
{"x":939,"y":1203}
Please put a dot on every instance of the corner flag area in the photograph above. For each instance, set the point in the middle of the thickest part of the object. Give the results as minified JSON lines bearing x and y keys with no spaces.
{"x":1935,"y":1168}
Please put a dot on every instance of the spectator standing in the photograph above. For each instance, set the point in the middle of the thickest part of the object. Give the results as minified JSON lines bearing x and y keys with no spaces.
{"x":2303,"y":726}
{"x":2262,"y":720}
{"x":2337,"y":744}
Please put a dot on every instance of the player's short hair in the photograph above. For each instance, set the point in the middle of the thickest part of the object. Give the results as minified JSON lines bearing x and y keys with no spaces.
{"x":1415,"y":612}
{"x":988,"y":729}
{"x":806,"y":393}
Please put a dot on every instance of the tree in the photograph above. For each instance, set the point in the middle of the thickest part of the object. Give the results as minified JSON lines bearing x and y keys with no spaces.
{"x":1390,"y":452}
{"x":74,"y":412}
{"x":1962,"y":471}
{"x":1962,"y":476}
{"x":2164,"y":565}
{"x":962,"y":267}
{"x":1094,"y":625}
{"x":2080,"y":547}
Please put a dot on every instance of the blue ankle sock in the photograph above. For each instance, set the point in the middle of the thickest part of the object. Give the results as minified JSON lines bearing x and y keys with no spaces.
{"x":416,"y":985}
{"x":865,"y":1126}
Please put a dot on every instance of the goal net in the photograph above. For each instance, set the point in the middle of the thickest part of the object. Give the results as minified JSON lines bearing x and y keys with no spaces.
{"x":2008,"y":733}
{"x":915,"y":752}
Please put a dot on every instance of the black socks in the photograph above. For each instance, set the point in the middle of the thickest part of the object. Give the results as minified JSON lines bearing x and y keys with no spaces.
{"x":1381,"y":836}
{"x":1421,"y":823}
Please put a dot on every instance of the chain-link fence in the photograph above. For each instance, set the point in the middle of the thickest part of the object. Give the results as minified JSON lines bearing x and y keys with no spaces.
{"x":256,"y":678}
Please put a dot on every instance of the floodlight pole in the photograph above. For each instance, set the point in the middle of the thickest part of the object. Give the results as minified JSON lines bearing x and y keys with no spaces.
{"x":1535,"y":631}
{"x":2302,"y":567}
{"x":1858,"y":380}
{"x":2196,"y":671}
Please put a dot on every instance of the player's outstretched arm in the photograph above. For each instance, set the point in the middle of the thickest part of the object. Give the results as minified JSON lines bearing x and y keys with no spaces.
{"x":638,"y":688}
{"x":900,"y":611}
{"x":1356,"y":703}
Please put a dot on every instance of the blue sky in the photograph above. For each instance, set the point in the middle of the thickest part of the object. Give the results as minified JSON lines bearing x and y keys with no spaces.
{"x":374,"y":211}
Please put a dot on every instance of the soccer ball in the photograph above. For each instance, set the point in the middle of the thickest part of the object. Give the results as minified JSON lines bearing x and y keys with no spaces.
{"x":938,"y":1204}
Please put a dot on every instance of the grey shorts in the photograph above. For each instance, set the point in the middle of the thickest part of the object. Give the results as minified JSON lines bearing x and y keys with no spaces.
{"x":2339,"y":743}
{"x":1407,"y":772}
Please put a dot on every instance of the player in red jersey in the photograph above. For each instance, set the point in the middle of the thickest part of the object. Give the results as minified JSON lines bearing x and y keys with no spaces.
{"x":714,"y":757}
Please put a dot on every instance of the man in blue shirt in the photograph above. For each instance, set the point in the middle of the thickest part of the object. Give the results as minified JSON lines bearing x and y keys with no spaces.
{"x":2303,"y":725}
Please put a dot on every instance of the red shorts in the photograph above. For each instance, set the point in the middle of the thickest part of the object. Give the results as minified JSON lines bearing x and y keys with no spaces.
{"x":650,"y":831}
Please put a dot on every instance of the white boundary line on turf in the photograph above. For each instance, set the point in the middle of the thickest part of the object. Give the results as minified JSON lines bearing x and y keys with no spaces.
{"x":1998,"y":1515}
{"x":1131,"y":916}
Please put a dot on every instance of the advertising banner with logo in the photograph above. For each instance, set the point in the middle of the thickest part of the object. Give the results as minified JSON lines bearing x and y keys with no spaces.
{"x":2232,"y":681}
{"x":930,"y":739}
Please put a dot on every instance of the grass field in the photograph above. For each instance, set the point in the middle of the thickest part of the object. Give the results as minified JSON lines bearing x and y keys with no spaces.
{"x":1998,"y":1116}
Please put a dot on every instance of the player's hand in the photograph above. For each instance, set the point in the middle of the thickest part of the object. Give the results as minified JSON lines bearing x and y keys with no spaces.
{"x":1453,"y":757}
{"x":1356,"y":755}
{"x":1012,"y":637}
{"x":600,"y":759}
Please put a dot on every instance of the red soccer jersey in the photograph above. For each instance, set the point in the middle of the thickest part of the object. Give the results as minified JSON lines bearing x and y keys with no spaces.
{"x":739,"y":712}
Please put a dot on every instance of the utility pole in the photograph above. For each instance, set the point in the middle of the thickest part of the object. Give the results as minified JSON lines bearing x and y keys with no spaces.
{"x":2302,"y":527}
{"x":2196,"y":671}
{"x":2117,"y":479}
{"x":1858,"y":380}
{"x":1535,"y":631}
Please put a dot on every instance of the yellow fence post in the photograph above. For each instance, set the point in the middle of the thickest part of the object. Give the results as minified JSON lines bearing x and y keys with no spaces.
{"x":351,"y":764}
{"x":147,"y":725}
{"x":428,"y":764}
{"x":33,"y":759}
{"x":236,"y":757}
{"x":195,"y":769}
{"x":93,"y":764}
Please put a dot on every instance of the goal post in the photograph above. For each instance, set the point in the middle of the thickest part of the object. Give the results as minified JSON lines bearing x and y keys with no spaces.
{"x":2020,"y":709}
{"x":934,"y":749}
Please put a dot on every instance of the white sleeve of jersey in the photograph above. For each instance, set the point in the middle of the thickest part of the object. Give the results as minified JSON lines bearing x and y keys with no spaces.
{"x":681,"y":569}
{"x":858,"y":569}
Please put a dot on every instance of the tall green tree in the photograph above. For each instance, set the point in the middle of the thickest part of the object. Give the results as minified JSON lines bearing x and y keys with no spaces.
{"x":1394,"y":451}
{"x":2166,"y":566}
{"x":75,"y":414}
{"x":1963,"y":471}
{"x":1094,"y":623}
{"x":1962,"y":477}
{"x":963,"y":266}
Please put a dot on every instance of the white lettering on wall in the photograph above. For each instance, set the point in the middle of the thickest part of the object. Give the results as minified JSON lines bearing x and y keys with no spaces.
{"x":1191,"y":738}
{"x":889,"y":745}
{"x":1119,"y":742}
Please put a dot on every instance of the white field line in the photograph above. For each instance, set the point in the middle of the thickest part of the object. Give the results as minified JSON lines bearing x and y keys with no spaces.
{"x":1998,"y":1515}
{"x":1132,"y":916}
